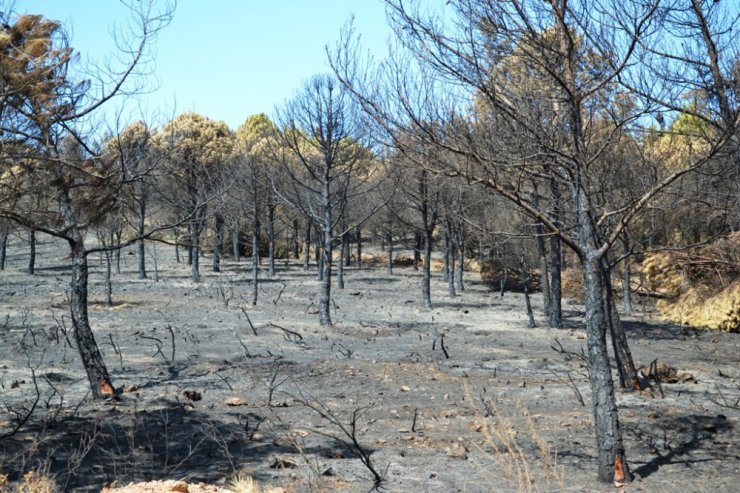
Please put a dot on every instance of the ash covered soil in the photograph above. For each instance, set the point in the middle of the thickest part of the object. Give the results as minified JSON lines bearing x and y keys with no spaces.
{"x":461,"y":397}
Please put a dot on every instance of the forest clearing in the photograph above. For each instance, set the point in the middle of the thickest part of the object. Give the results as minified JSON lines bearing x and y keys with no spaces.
{"x":499,"y":253}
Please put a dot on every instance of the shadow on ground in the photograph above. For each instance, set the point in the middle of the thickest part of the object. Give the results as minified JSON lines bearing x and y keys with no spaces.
{"x":169,"y":440}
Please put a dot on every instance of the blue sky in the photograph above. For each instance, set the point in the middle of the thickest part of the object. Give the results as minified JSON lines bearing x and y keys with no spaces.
{"x":226,"y":59}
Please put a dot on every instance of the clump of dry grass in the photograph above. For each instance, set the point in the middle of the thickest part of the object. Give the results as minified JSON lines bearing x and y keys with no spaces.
{"x":31,"y":482}
{"x":702,"y":287}
{"x":523,"y":460}
{"x":246,"y":484}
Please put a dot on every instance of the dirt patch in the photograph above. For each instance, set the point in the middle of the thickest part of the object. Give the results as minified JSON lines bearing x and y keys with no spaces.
{"x":456,"y":398}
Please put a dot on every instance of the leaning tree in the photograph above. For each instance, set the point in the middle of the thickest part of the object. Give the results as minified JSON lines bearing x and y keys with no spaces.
{"x":48,"y":153}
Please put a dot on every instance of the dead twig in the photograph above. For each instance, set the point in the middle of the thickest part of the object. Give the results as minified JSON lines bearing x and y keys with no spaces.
{"x":282,"y":290}
{"x":249,"y":321}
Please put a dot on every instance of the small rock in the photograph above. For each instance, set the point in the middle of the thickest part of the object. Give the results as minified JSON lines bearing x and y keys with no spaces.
{"x":282,"y":463}
{"x":235,"y":401}
{"x":457,"y":451}
{"x":405,"y":388}
{"x":177,"y":486}
{"x":130,"y":388}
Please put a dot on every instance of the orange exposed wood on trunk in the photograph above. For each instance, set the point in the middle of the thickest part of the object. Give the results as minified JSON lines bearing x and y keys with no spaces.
{"x":105,"y":388}
{"x":618,"y":469}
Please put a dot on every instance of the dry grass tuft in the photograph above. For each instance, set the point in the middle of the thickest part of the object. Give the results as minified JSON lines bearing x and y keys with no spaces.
{"x":247,"y":484}
{"x":32,"y":482}
{"x":702,"y":286}
{"x":523,"y":459}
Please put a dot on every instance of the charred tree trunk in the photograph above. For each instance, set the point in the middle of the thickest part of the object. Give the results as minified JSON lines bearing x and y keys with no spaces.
{"x":556,"y":295}
{"x":4,"y":246}
{"x":235,"y":245}
{"x":346,"y":248}
{"x":459,"y":273}
{"x":426,"y":276}
{"x":525,"y":283}
{"x":450,"y":259}
{"x":542,"y":256}
{"x":610,"y":448}
{"x":307,"y":247}
{"x":544,"y":269}
{"x":32,"y":253}
{"x":341,"y":265}
{"x":626,"y":276}
{"x":446,"y":256}
{"x":417,"y":250}
{"x":108,"y":276}
{"x":389,"y":243}
{"x":141,"y":226}
{"x":194,"y":256}
{"x":504,"y":271}
{"x":271,"y":240}
{"x":358,"y":234}
{"x":325,"y":289}
{"x":118,"y":235}
{"x":623,"y":356}
{"x":190,"y":243}
{"x":97,"y":373}
{"x":218,"y":241}
{"x":255,"y":250}
{"x":177,"y":244}
{"x":296,"y":254}
{"x":318,"y":251}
